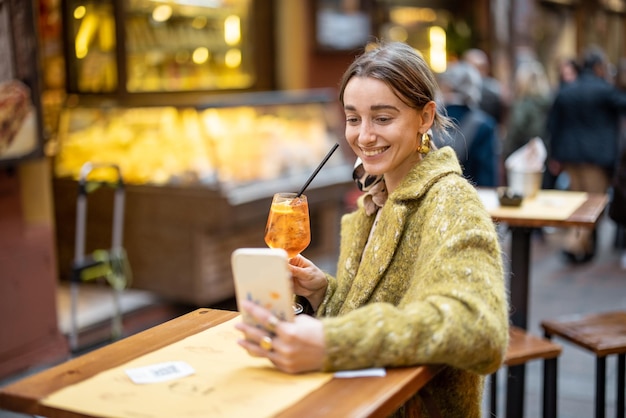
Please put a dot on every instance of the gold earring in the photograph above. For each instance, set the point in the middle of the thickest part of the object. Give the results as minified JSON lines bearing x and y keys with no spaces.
{"x":424,"y":146}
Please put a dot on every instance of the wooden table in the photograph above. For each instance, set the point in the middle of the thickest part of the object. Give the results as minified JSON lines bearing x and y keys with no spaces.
{"x":521,"y":224}
{"x":356,"y":397}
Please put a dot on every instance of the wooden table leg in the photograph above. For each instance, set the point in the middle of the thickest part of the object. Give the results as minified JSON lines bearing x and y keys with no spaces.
{"x":519,"y":285}
{"x":520,"y":275}
{"x":600,"y":386}
{"x":621,"y":377}
{"x":550,"y":388}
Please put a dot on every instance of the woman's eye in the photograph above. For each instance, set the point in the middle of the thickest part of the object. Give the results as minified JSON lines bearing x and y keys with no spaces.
{"x":352,"y":119}
{"x":383,"y":119}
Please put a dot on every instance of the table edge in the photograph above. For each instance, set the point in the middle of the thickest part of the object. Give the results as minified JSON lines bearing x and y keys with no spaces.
{"x":586,"y":215}
{"x":408,"y":381}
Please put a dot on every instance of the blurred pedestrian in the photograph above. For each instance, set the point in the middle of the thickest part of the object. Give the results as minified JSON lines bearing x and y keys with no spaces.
{"x":584,"y":131}
{"x":617,"y":208}
{"x":532,"y":99}
{"x":475,"y":138}
{"x":492,"y":94}
{"x":568,"y":70}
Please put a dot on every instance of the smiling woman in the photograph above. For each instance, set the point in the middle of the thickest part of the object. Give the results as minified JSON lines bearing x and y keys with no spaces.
{"x":419,"y":277}
{"x":379,"y":113}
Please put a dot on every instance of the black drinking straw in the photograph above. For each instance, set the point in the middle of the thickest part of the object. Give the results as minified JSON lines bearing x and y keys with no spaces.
{"x":317,"y":170}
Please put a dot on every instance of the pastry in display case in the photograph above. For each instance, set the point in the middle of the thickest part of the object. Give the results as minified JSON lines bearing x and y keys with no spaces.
{"x":199,"y":182}
{"x":213,"y":146}
{"x":21,"y":134}
{"x":18,"y":134}
{"x":153,"y":146}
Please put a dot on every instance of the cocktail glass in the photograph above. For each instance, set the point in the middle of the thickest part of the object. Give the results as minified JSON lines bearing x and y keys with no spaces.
{"x":288,"y":226}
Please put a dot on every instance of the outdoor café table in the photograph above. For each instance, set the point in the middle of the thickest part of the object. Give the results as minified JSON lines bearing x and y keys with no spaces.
{"x":352,"y":397}
{"x":550,"y":208}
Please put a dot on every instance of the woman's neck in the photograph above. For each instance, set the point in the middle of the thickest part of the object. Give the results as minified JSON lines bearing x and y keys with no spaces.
{"x":394,"y":178}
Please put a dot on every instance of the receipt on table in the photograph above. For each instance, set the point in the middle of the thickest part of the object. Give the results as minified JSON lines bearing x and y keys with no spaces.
{"x":374,"y":372}
{"x":160,"y":372}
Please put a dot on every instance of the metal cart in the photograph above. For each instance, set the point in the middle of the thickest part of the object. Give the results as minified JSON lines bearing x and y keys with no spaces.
{"x":111,"y":264}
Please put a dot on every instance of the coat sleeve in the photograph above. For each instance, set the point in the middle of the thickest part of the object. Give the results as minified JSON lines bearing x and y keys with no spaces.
{"x":454,"y":308}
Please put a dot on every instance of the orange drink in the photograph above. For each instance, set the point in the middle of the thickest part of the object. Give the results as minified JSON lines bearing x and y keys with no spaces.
{"x":288,"y":225}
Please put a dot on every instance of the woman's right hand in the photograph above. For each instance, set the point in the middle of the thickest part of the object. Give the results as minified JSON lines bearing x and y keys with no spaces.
{"x":308,"y":280}
{"x":294,"y":347}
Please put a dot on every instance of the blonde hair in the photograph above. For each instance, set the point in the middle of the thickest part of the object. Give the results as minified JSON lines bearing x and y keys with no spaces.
{"x":463,"y":84}
{"x":531,"y":80}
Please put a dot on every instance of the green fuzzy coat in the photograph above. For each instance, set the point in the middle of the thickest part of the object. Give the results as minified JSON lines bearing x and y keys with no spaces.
{"x":429,"y":288}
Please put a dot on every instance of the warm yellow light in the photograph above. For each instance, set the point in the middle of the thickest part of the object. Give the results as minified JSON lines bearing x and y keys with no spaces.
{"x":81,"y":52}
{"x":233,"y":58}
{"x":106,"y":33}
{"x":85,"y":34}
{"x":80,"y":12}
{"x":437,"y":38}
{"x":232,"y":30}
{"x":162,"y":13}
{"x":200,"y":55}
{"x":408,"y":16}
{"x":398,"y":33}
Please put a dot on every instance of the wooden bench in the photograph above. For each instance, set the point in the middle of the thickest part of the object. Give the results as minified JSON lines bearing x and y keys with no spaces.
{"x":524,"y":347}
{"x":602,"y":334}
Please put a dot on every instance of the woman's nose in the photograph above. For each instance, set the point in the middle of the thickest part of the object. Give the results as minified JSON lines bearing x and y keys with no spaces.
{"x":366,"y":134}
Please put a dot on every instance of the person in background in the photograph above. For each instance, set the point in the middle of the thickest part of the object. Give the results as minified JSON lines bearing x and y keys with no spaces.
{"x":584,"y":129}
{"x":617,"y":206}
{"x":492,"y":95}
{"x":475,"y":136}
{"x":532,"y":98}
{"x":568,"y":70}
{"x":419,"y":278}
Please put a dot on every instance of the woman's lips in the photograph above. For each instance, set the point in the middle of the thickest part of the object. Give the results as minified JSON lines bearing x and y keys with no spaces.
{"x":373,"y":152}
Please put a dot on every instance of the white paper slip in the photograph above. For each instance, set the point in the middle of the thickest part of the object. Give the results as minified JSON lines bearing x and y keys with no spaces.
{"x":160,"y":372}
{"x":374,"y":372}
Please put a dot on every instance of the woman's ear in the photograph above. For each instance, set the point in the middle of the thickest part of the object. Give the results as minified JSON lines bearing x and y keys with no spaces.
{"x":428,"y":115}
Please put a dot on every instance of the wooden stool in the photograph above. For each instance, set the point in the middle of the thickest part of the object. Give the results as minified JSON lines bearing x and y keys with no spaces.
{"x":524,"y":347}
{"x":603,"y":334}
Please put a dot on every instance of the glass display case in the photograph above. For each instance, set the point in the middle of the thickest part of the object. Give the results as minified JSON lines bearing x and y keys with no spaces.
{"x":226,"y":144}
{"x":156,"y":46}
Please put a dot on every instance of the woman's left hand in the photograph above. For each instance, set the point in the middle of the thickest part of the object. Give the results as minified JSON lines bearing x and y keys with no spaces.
{"x":293,"y":347}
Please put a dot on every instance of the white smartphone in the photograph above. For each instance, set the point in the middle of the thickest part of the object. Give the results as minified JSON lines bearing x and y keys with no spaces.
{"x":262,"y":276}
